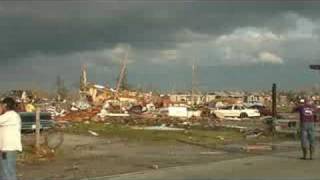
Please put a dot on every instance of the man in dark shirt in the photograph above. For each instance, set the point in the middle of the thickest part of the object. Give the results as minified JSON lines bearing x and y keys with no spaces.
{"x":308,"y":119}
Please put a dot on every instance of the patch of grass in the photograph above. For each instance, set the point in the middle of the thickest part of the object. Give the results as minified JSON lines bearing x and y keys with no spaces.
{"x":210,"y":137}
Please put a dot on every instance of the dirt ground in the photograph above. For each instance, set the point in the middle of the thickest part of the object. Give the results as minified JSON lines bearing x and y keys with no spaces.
{"x":83,"y":156}
{"x":122,"y":149}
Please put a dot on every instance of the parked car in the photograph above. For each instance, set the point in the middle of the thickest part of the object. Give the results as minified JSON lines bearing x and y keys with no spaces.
{"x":28,"y":121}
{"x":236,"y":111}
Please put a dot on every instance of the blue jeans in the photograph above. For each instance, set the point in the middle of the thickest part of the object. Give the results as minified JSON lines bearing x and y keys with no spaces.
{"x":8,"y":165}
{"x":308,"y":135}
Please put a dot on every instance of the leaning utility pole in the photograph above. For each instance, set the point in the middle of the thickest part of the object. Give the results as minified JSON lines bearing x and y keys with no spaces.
{"x":122,"y":71}
{"x":194,"y":83}
{"x":83,"y":78}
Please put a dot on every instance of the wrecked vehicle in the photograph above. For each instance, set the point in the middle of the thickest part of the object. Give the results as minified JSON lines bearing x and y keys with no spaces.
{"x":238,"y":111}
{"x":28,"y":121}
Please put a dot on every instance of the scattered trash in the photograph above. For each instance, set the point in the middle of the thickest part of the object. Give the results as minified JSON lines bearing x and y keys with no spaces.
{"x":254,"y":148}
{"x":252,"y":136}
{"x":212,"y":153}
{"x":248,"y":164}
{"x":233,"y":119}
{"x":220,"y":138}
{"x":159,"y":128}
{"x":93,"y":133}
{"x":253,"y":133}
{"x":114,"y":114}
{"x":74,"y":167}
{"x":241,"y":128}
{"x":233,"y":148}
{"x":136,"y":109}
{"x":186,"y":123}
{"x":155,"y":166}
{"x":82,"y":105}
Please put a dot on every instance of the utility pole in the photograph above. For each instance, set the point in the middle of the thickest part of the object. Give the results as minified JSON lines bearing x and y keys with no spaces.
{"x":194,"y":84}
{"x":274,"y":101}
{"x":37,"y":144}
{"x":122,"y":71}
{"x":83,"y":78}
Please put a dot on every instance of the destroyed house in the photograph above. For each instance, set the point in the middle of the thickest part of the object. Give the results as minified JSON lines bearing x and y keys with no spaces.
{"x":19,"y":94}
{"x":253,"y":98}
{"x":186,"y":98}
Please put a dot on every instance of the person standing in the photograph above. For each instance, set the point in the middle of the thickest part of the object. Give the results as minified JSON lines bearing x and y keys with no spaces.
{"x":10,"y":138}
{"x":308,"y":119}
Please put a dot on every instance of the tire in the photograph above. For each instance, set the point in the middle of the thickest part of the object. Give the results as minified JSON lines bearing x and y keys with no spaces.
{"x":243,"y":115}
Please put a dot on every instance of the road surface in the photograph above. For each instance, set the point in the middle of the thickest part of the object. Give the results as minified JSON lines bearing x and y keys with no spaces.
{"x":274,"y":166}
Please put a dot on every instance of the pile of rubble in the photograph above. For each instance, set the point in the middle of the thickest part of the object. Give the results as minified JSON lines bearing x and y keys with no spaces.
{"x":79,"y":116}
{"x":147,"y":119}
{"x":124,"y":107}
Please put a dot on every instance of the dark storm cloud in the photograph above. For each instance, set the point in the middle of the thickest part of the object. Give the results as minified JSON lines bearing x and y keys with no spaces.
{"x":57,"y":27}
{"x":49,"y":37}
{"x":61,"y":27}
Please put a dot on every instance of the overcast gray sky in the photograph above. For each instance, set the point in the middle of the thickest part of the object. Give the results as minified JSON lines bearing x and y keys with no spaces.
{"x":236,"y":45}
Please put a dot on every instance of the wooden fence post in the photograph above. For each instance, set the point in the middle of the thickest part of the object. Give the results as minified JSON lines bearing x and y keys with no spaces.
{"x":37,"y":129}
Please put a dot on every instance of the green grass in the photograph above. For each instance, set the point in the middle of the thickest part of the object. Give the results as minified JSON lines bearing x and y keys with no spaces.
{"x":198,"y":136}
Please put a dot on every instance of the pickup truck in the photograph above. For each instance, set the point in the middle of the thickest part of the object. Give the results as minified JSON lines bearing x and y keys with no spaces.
{"x":236,"y":111}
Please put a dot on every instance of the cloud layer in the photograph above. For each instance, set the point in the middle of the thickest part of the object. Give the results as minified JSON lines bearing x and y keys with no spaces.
{"x":44,"y":39}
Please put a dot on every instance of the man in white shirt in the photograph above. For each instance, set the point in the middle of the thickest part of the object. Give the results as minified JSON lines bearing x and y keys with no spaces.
{"x":10,"y":138}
